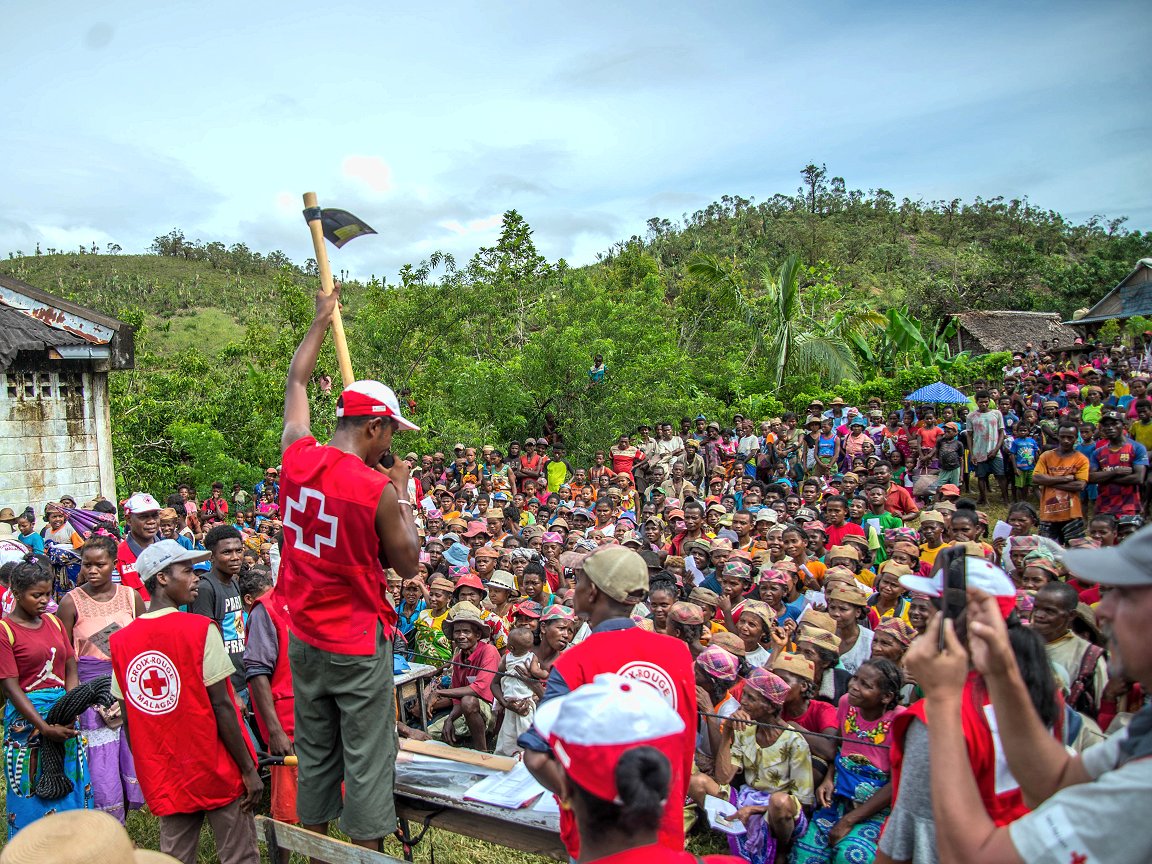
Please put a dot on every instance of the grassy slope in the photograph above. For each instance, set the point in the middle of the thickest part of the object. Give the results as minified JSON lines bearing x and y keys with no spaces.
{"x":187,"y":303}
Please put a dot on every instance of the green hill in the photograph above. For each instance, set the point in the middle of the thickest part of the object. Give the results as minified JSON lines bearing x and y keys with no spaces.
{"x":185,"y":304}
{"x":687,"y":316}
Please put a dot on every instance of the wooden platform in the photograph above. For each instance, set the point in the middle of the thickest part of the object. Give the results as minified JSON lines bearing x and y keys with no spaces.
{"x":524,"y":829}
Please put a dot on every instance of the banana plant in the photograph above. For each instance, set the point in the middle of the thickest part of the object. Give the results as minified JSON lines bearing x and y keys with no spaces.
{"x":901,"y":343}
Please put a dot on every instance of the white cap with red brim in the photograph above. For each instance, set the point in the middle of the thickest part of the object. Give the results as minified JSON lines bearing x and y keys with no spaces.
{"x":590,"y":728}
{"x":980,"y":573}
{"x":141,"y":502}
{"x":372,"y":399}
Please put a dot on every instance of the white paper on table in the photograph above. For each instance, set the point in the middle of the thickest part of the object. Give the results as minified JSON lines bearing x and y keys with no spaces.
{"x":1002,"y":530}
{"x":719,"y":812}
{"x":547,"y":804}
{"x":511,"y":790}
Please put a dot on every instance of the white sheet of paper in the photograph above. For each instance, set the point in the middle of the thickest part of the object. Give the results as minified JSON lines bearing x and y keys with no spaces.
{"x":719,"y":811}
{"x":547,"y":803}
{"x":1002,"y":530}
{"x":511,"y":790}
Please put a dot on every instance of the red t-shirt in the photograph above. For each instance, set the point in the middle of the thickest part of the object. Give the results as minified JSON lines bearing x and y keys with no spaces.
{"x":929,"y":437}
{"x":483,"y":655}
{"x":36,"y":657}
{"x":818,"y":717}
{"x":837,"y":533}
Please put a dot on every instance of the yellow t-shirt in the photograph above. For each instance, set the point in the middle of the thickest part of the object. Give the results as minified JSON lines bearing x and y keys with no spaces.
{"x":928,"y":554}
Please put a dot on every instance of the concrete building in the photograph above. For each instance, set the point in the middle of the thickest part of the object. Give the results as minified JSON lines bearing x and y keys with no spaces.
{"x":55,"y":430}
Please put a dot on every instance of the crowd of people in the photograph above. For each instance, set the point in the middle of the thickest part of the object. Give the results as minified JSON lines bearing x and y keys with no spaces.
{"x":775,"y":583}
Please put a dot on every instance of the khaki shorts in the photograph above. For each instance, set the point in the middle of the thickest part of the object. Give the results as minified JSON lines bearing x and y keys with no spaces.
{"x":460,"y":724}
{"x":345,"y":734}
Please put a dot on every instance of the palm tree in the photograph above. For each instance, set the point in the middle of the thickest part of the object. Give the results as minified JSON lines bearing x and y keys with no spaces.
{"x":792,"y":339}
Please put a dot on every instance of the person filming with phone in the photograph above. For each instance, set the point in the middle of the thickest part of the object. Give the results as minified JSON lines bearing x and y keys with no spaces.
{"x":910,"y":833}
{"x":1086,"y":808}
{"x":346,"y":518}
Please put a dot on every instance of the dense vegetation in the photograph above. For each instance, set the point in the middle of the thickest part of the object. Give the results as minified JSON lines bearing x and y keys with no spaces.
{"x":744,"y":306}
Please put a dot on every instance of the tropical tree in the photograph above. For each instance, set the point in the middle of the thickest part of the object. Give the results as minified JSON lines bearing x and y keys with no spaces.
{"x":902,"y":343}
{"x":795,"y":334}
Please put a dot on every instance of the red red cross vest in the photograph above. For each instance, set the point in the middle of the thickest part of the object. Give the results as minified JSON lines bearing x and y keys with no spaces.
{"x":281,"y":682}
{"x":666,"y":664}
{"x":998,"y":788}
{"x":159,"y":666}
{"x":126,"y":566}
{"x":330,"y":572}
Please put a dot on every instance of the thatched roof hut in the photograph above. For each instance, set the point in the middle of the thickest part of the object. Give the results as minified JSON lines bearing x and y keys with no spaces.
{"x":987,"y":332}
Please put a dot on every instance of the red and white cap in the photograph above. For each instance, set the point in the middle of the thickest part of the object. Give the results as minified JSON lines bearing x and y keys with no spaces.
{"x":372,"y":399}
{"x":980,"y":572}
{"x":590,"y":728}
{"x":141,"y":502}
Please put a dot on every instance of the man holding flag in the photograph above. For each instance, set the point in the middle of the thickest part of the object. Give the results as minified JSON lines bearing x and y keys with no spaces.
{"x":345,"y":518}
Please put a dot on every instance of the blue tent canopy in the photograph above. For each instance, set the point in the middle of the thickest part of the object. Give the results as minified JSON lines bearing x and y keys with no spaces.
{"x":938,"y":393}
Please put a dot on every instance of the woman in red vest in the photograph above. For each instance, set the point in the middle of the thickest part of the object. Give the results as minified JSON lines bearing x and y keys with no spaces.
{"x":170,"y":673}
{"x":609,"y":582}
{"x":610,"y":739}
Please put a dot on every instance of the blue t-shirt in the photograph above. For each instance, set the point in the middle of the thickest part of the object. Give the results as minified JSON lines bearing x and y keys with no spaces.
{"x":1025,"y":451}
{"x":33,"y":541}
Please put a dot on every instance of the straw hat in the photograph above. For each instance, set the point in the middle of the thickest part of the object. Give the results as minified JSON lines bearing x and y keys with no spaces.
{"x":464,"y":613}
{"x":77,"y":837}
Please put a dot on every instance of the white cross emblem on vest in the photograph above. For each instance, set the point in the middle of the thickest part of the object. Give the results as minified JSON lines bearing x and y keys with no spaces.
{"x":318,"y":537}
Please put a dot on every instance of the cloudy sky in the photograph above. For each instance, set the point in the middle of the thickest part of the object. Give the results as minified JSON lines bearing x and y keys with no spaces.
{"x":122,"y":120}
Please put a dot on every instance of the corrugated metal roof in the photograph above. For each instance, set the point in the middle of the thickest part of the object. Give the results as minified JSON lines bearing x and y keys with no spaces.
{"x":1133,"y":296}
{"x":20,"y":332}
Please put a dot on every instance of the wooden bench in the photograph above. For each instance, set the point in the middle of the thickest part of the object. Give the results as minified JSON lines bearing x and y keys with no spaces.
{"x":281,"y":835}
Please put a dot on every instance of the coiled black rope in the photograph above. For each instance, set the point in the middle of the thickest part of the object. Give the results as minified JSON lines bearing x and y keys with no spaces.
{"x":52,"y":784}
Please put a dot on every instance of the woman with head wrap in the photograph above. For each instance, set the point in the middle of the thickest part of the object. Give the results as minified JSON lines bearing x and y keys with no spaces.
{"x":716,"y":673}
{"x":891,"y":643}
{"x":685,"y":621}
{"x":764,"y":769}
{"x":615,"y":778}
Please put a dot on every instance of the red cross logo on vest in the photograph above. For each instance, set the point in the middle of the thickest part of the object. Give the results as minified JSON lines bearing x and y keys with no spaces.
{"x":312,"y":526}
{"x":153,"y":684}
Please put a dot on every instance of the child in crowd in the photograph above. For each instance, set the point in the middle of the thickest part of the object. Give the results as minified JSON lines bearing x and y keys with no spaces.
{"x":517,"y":688}
{"x":1025,"y":451}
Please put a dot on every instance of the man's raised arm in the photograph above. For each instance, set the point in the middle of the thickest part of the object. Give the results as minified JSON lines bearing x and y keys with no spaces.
{"x":297,"y":417}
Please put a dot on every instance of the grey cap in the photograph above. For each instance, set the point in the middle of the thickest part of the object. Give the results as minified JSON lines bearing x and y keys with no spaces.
{"x":1127,"y":565}
{"x":163,"y":554}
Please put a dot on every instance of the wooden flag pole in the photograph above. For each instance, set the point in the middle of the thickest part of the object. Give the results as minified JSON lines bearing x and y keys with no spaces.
{"x":327,"y":284}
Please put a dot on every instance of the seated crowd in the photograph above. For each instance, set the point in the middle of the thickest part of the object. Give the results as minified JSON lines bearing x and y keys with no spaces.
{"x":794,"y":560}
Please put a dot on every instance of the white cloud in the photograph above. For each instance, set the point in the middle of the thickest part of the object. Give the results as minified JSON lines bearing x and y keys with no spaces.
{"x":372,"y":171}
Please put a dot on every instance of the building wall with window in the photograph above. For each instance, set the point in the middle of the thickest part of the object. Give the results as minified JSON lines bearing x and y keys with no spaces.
{"x":55,"y":436}
{"x":55,"y":427}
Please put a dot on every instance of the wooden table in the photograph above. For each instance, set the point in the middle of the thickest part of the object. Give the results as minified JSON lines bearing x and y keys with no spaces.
{"x":411,"y":683}
{"x":439,"y":802}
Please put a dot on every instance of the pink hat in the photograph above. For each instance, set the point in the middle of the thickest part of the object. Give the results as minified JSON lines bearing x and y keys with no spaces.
{"x":557,"y":612}
{"x":552,"y":537}
{"x":718,"y":663}
{"x":593,"y":726}
{"x":775,"y":577}
{"x":141,"y":502}
{"x":768,"y":685}
{"x":372,"y":399}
